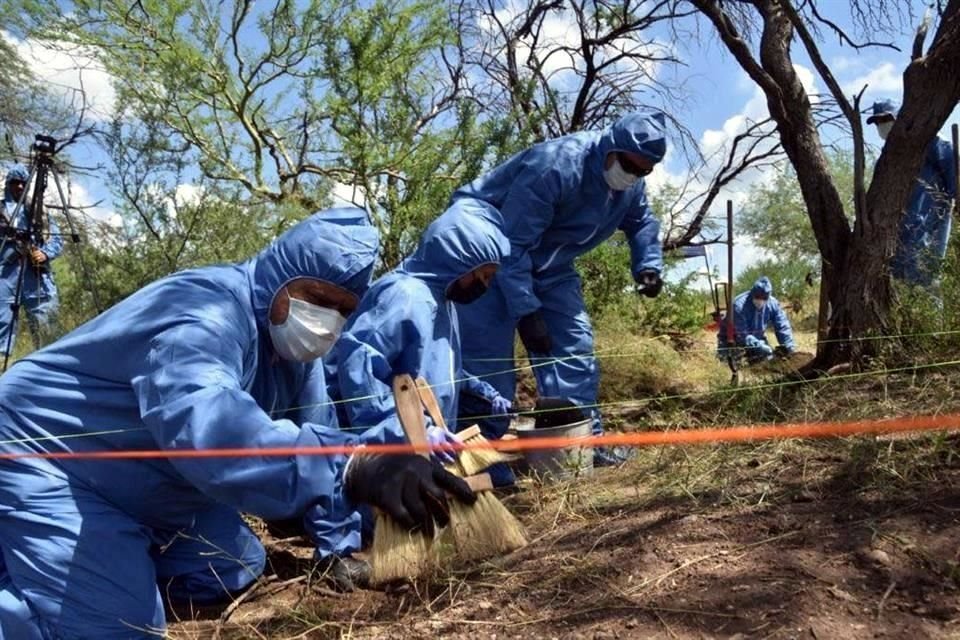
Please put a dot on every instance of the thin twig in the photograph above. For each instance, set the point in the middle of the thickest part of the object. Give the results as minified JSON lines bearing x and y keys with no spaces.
{"x":665,"y":625}
{"x":582,"y":612}
{"x":883,"y":600}
{"x":246,"y":595}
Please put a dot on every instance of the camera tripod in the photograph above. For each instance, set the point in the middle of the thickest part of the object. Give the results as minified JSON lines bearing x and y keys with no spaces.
{"x":32,"y":235}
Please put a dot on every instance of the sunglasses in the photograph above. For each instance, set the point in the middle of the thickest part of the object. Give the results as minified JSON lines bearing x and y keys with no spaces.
{"x":633,"y":167}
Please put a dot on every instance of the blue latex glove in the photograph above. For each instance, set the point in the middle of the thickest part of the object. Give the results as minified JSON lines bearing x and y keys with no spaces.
{"x":765,"y":348}
{"x":501,"y":406}
{"x":437,"y":436}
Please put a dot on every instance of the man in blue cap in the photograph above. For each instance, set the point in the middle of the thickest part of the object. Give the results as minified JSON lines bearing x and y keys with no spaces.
{"x":925,"y":227}
{"x":560,"y":199}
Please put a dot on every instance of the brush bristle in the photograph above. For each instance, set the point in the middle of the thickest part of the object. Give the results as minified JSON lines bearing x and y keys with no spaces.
{"x":485,"y":529}
{"x":474,"y":461}
{"x":397,"y":554}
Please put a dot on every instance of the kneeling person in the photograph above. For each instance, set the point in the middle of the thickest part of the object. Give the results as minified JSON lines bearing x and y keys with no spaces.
{"x":753,"y":312}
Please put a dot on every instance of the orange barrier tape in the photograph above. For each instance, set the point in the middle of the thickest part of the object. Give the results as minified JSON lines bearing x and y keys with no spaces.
{"x":684,"y":436}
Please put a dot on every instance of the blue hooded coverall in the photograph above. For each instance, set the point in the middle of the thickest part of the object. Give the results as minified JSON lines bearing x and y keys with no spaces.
{"x":39,"y":293}
{"x":556,"y":205}
{"x":925,"y":227}
{"x":750,"y":324}
{"x":405,"y":324}
{"x":185,"y":363}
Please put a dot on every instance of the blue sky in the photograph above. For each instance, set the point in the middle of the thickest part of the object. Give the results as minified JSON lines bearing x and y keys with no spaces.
{"x":720,"y":97}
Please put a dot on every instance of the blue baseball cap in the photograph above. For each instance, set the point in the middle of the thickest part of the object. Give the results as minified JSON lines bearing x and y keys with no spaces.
{"x":882,"y":110}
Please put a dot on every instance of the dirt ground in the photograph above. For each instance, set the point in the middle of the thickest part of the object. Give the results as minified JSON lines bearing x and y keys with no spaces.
{"x":798,"y":541}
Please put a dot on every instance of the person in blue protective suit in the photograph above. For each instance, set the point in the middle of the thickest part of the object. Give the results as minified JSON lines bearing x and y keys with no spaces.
{"x":559,"y":199}
{"x":407,"y":323}
{"x":925,"y":226}
{"x":38,"y":295}
{"x":211,"y":358}
{"x":753,"y":312}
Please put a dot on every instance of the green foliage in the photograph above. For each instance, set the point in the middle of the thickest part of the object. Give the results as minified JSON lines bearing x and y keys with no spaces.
{"x":279,"y":104}
{"x":928,"y":320}
{"x":27,"y":105}
{"x":265,"y":109}
{"x":605,"y":274}
{"x":608,"y":290}
{"x":680,"y":308}
{"x":775,"y":215}
{"x":122,"y":259}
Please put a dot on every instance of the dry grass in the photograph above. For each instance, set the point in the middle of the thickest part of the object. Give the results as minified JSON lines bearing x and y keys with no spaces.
{"x":704,"y":509}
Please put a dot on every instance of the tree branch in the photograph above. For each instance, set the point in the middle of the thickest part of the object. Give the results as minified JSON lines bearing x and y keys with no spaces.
{"x":842,"y":35}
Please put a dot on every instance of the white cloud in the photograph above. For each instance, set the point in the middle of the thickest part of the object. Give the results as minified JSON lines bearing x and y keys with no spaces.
{"x":187,"y":195}
{"x":68,"y":69}
{"x":841,"y":64}
{"x":884,"y":81}
{"x":347,"y":195}
{"x":84,"y":206}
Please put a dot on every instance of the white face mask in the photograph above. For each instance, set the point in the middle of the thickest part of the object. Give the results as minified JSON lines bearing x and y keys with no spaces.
{"x":883,"y":128}
{"x":308,"y":332}
{"x":759,"y":303}
{"x":617,"y":178}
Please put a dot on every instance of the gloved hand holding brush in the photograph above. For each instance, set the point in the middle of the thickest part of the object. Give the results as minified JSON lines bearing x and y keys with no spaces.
{"x":409,"y":488}
{"x":437,"y":435}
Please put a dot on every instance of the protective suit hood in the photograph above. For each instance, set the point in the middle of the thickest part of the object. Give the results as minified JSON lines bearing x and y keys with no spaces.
{"x":338,"y":246}
{"x":762,"y":287}
{"x":643,"y":133}
{"x":460,"y":240}
{"x":16,"y":172}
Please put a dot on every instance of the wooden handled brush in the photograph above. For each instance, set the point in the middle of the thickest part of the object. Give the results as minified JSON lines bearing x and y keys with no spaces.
{"x":485,"y":528}
{"x":410,"y":403}
{"x":397,"y":554}
{"x":473,"y":461}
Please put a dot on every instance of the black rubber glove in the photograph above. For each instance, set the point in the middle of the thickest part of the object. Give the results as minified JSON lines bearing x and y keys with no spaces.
{"x":409,"y":488}
{"x":649,"y":283}
{"x":556,"y":412}
{"x":782,"y":352}
{"x":533,"y":333}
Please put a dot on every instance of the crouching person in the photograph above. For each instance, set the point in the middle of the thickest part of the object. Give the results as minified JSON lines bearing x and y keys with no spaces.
{"x":753,"y":312}
{"x":211,"y":358}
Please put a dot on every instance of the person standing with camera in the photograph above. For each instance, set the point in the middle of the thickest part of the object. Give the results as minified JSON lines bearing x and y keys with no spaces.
{"x":38,"y":294}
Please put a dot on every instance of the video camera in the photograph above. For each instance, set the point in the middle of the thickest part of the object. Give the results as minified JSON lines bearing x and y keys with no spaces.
{"x":44,"y":144}
{"x":27,"y":237}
